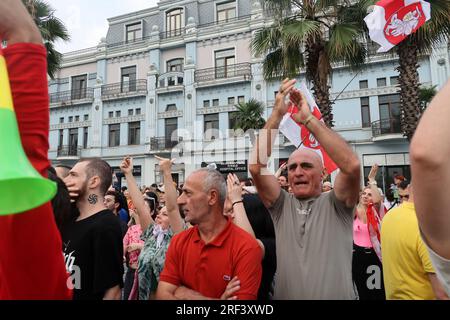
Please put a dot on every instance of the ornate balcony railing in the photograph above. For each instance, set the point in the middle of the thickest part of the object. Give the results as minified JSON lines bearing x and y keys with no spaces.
{"x":235,"y":70}
{"x":170,"y":79}
{"x":386,"y":126}
{"x":225,"y":21}
{"x":163,"y":143}
{"x":72,"y":95}
{"x":128,"y":42}
{"x":69,"y":151}
{"x":172,"y":33}
{"x":126,"y":87}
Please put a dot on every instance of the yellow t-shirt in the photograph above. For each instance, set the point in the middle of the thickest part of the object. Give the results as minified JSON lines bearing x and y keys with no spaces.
{"x":406,"y":262}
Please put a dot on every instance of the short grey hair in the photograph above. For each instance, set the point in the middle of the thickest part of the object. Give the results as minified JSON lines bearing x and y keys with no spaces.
{"x":214,"y":180}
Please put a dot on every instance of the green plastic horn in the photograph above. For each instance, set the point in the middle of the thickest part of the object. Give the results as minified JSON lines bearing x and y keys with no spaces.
{"x":21,"y":187}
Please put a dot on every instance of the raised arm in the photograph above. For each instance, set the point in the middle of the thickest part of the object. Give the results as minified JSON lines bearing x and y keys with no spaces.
{"x":280,"y":170}
{"x":265,"y":182}
{"x":430,"y":151}
{"x":23,"y":235}
{"x":376,"y":196}
{"x":176,"y":222}
{"x":142,"y":210}
{"x":234,"y":193}
{"x":347,"y":183}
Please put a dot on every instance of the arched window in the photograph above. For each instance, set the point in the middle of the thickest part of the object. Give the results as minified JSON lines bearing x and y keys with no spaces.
{"x":174,"y":20}
{"x":175,"y":65}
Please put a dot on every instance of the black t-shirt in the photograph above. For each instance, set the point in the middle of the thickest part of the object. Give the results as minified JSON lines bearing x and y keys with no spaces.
{"x":123,"y":227}
{"x":93,"y":251}
{"x":262,"y":226}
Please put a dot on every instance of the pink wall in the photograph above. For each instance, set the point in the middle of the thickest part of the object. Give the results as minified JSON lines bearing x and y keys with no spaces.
{"x":205,"y":52}
{"x":113,"y":69}
{"x":169,"y":55}
{"x":68,"y":72}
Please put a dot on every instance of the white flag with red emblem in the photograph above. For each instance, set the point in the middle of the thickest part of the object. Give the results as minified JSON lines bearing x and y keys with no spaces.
{"x":299,"y":135}
{"x":391,"y":21}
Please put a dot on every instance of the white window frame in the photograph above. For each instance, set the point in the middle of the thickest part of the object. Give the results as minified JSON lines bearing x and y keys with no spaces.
{"x":129,"y":24}
{"x":221,"y":2}
{"x":183,"y":21}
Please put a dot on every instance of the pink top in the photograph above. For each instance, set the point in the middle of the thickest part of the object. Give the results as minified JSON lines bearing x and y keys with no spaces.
{"x":132,"y":236}
{"x":361,"y":235}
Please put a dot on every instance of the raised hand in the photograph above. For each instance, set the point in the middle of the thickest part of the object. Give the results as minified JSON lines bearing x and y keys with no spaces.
{"x":234,"y":188}
{"x":299,"y":100}
{"x":16,"y":25}
{"x":280,"y":170}
{"x":127,"y":165}
{"x":165,"y":165}
{"x":285,"y":89}
{"x":373,"y":173}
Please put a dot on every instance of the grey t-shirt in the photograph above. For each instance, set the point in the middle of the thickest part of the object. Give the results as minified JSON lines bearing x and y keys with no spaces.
{"x":314,"y":241}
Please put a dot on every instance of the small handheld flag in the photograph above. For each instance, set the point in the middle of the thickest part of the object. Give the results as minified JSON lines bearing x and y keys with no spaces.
{"x":299,"y":135}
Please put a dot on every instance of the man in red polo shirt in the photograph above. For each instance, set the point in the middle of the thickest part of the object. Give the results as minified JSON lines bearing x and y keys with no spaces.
{"x":202,"y":261}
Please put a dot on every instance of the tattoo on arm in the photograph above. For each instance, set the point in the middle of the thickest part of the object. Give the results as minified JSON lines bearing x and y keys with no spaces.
{"x":93,"y":198}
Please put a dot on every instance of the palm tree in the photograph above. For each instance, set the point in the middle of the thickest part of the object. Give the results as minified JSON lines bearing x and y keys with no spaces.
{"x":426,"y":94}
{"x":52,"y":29}
{"x":249,"y":117}
{"x":433,"y":33}
{"x":316,"y":34}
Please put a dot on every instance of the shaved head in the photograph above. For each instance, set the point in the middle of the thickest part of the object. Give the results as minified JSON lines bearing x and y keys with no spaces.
{"x":305,"y":173}
{"x":309,"y":154}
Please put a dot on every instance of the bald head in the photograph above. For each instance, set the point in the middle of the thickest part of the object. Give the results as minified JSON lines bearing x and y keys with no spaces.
{"x":305,"y":173}
{"x":307,"y":154}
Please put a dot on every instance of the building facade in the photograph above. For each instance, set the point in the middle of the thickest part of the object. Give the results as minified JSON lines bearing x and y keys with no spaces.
{"x":165,"y":81}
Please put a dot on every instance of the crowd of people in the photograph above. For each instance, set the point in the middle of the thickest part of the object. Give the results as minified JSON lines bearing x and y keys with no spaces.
{"x":285,"y":235}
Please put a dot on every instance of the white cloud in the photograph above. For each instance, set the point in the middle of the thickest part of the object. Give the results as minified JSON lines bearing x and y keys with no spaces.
{"x":86,"y":19}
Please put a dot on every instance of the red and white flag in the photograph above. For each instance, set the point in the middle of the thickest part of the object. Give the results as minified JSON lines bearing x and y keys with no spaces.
{"x":391,"y":21}
{"x":299,"y":135}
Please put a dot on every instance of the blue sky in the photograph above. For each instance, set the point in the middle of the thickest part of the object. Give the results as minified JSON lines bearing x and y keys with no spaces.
{"x":86,"y":19}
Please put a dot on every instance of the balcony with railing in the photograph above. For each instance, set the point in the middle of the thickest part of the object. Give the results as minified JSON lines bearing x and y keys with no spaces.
{"x":386,"y":129}
{"x":72,"y":152}
{"x":129,"y":43}
{"x":221,"y":23}
{"x":238,"y":72}
{"x":72,"y":96}
{"x":172,"y":33}
{"x":171,"y":81}
{"x":163,"y":144}
{"x":124,"y":89}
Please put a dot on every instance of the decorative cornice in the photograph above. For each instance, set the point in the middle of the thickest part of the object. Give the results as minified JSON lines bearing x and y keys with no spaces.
{"x":126,"y":55}
{"x":71,"y":103}
{"x":140,"y":117}
{"x":170,"y":89}
{"x":70,"y":125}
{"x":170,"y":114}
{"x":59,"y":81}
{"x":219,"y":109}
{"x":133,"y":16}
{"x":366,"y":92}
